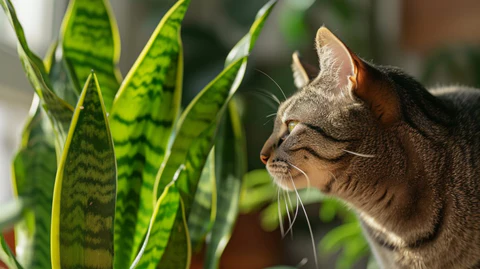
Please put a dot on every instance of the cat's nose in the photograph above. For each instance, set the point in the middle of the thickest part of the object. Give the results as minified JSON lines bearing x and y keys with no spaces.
{"x":264,"y":158}
{"x":266,"y":152}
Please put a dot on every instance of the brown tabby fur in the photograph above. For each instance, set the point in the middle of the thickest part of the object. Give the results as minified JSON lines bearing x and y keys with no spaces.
{"x":405,"y":159}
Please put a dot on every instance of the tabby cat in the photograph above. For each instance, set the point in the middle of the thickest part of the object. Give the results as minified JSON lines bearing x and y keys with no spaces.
{"x":406,"y":159}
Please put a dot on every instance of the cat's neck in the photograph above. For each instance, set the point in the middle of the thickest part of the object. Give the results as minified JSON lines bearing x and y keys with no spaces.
{"x":401,"y":205}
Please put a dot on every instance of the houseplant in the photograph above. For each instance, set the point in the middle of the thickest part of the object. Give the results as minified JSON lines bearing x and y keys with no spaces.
{"x":112,"y":182}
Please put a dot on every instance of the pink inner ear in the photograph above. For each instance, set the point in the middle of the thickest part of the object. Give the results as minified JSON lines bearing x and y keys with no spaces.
{"x":334,"y":56}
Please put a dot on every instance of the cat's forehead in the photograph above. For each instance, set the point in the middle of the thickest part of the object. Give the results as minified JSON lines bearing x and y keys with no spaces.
{"x":301,"y":105}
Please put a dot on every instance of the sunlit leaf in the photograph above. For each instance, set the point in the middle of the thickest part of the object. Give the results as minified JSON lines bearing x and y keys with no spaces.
{"x":34,"y":167}
{"x":58,"y":110}
{"x":85,"y":186}
{"x":204,"y":204}
{"x":231,"y":165}
{"x":90,"y":41}
{"x":160,"y":229}
{"x":142,"y":118}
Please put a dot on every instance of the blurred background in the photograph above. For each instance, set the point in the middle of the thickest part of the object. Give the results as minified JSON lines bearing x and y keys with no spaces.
{"x":436,"y":41}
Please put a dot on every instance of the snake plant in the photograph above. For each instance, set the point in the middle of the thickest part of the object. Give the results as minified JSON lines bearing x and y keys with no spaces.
{"x":112,"y":172}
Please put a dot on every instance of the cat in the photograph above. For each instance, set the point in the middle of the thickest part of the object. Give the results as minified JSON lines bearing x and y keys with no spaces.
{"x":407,"y":160}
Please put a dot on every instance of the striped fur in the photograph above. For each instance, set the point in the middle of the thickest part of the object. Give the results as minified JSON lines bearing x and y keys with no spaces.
{"x":404,"y":158}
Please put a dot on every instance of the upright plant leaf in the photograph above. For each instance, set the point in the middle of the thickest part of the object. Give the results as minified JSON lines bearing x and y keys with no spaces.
{"x":168,"y":232}
{"x":90,"y":41}
{"x":165,"y":213}
{"x":59,"y":112}
{"x":62,"y":83}
{"x":141,"y":119}
{"x":178,"y":253}
{"x":34,"y":167}
{"x":196,"y":128}
{"x":204,"y":206}
{"x":231,"y":166}
{"x":84,"y":196}
{"x":198,"y":123}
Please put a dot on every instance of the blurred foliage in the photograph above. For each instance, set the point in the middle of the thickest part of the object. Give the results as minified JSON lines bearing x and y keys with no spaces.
{"x":260,"y":193}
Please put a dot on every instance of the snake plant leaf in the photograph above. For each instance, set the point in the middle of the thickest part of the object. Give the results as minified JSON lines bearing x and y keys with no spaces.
{"x":204,"y":204}
{"x":90,"y":41}
{"x":198,"y":123}
{"x":245,"y":45}
{"x":50,"y":56}
{"x":231,"y":166}
{"x":196,"y":132}
{"x":60,"y":77}
{"x":6,"y":255}
{"x":160,"y":229}
{"x":85,"y":187}
{"x":178,"y":253}
{"x":34,"y":169}
{"x":59,"y":112}
{"x":141,"y":118}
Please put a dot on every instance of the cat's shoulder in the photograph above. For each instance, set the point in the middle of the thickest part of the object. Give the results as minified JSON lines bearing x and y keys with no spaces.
{"x":466,"y":100}
{"x":458,"y":94}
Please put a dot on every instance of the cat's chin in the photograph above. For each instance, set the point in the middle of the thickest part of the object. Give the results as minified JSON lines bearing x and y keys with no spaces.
{"x":288,"y":181}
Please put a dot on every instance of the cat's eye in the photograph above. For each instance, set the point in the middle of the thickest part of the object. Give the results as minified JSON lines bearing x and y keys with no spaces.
{"x":291,"y":125}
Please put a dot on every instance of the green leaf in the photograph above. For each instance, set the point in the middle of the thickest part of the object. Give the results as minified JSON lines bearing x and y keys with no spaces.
{"x":160,"y":229}
{"x":35,"y":166}
{"x":196,"y":132}
{"x":59,"y":75}
{"x":178,"y":253}
{"x":90,"y":41}
{"x":257,"y":190}
{"x":245,"y":45}
{"x":85,"y":187}
{"x":142,"y":118}
{"x":59,"y":112}
{"x":204,"y":204}
{"x":6,"y":255}
{"x":231,"y":166}
{"x":197,"y":126}
{"x":339,"y":236}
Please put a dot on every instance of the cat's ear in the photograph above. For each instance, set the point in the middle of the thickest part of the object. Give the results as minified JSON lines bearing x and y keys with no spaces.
{"x":357,"y":78}
{"x":335,"y":57}
{"x":303,"y":72}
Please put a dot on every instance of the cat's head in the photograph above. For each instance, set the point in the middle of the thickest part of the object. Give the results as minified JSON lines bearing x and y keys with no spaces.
{"x":337,"y":106}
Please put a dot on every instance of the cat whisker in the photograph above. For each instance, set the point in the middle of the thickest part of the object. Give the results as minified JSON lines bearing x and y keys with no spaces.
{"x":268,"y":121}
{"x":308,"y":221}
{"x":294,"y":217}
{"x":266,"y":98}
{"x":302,"y":263}
{"x":280,"y":219}
{"x":271,"y":115}
{"x":280,"y":88}
{"x":359,"y":154}
{"x":290,"y":223}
